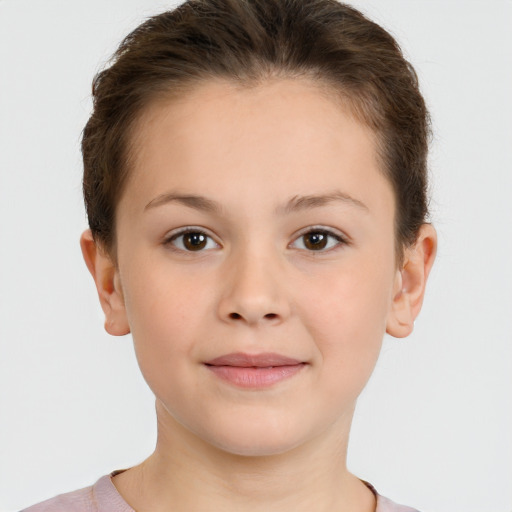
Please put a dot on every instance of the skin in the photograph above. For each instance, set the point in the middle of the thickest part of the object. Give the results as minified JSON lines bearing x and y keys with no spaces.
{"x":255,"y":287}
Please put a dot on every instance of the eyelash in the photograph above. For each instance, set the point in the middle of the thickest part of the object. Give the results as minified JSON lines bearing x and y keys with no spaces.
{"x":340,"y":240}
{"x":189,"y":230}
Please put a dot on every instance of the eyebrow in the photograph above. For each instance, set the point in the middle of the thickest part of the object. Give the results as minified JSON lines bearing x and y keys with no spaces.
{"x":192,"y":201}
{"x":296,"y":203}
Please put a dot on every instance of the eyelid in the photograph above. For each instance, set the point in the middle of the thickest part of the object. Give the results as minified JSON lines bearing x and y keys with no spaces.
{"x":329,"y":231}
{"x":324,"y":229}
{"x":338,"y":235}
{"x":175,"y":233}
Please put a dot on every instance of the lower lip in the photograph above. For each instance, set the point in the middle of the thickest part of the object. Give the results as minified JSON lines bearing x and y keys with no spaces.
{"x":255,"y":377}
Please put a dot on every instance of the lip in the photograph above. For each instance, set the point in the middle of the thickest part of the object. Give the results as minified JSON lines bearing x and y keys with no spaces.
{"x":254,"y":370}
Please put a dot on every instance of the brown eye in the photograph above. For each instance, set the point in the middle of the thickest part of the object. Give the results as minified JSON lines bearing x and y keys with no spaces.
{"x":315,"y":240}
{"x":194,"y":241}
{"x":318,"y":240}
{"x":191,"y":241}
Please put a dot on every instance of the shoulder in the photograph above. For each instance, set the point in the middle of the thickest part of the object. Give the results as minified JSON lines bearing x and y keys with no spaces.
{"x":81,"y":500}
{"x":100,"y":497}
{"x":386,"y":505}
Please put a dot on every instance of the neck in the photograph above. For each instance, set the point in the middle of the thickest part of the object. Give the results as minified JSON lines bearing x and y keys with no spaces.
{"x":186,"y":473}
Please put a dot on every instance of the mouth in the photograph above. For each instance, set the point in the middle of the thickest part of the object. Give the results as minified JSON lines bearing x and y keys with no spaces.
{"x":254,"y":370}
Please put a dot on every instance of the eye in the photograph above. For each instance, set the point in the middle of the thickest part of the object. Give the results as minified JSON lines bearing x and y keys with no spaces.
{"x":318,"y":240}
{"x":191,"y":240}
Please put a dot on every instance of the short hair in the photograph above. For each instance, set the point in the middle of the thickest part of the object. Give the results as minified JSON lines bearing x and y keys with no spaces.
{"x":248,"y":42}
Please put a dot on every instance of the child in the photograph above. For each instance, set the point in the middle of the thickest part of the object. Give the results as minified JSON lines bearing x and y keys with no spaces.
{"x":255,"y":183}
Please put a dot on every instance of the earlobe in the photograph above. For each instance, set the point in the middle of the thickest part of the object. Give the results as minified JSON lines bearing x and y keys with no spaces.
{"x":410,"y":283}
{"x":108,"y":285}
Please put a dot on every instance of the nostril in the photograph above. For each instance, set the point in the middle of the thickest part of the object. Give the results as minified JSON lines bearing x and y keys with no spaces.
{"x":237,"y":316}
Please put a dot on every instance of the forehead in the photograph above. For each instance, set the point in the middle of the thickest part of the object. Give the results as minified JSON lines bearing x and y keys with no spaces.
{"x":294,"y":134}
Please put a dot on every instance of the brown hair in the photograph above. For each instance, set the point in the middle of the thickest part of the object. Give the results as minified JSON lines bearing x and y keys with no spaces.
{"x":249,"y":41}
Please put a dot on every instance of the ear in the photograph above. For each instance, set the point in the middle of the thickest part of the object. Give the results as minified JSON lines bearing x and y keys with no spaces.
{"x":410,"y":282}
{"x":108,"y":284}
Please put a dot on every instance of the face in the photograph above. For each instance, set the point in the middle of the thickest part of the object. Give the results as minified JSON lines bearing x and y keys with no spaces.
{"x":256,"y":263}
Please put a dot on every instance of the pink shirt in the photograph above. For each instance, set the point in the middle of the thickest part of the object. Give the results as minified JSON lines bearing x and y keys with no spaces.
{"x":103,"y":497}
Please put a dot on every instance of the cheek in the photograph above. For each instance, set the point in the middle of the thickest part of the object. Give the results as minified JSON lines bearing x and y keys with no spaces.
{"x":346,"y":312}
{"x":160,"y":298}
{"x":165,"y":312}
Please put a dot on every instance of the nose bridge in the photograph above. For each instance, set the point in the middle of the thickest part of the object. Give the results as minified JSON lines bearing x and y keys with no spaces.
{"x":254,"y":289}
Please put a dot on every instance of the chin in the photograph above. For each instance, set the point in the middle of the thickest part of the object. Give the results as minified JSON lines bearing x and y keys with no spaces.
{"x":256,"y":440}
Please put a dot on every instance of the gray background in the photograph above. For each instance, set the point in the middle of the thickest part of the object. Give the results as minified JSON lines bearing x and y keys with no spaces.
{"x":434,"y":426}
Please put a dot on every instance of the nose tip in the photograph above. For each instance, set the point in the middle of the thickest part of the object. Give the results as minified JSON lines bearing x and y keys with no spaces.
{"x":254,"y":294}
{"x":253,"y":312}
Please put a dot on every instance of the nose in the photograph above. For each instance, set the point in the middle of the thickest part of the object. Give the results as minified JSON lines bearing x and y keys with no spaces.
{"x":254,"y":292}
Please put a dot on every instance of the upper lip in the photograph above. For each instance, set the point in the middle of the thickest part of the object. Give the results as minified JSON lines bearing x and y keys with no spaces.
{"x":263,"y":360}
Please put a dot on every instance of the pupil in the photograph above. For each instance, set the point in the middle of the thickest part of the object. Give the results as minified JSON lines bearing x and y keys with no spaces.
{"x":316,"y":241}
{"x":195,"y":241}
